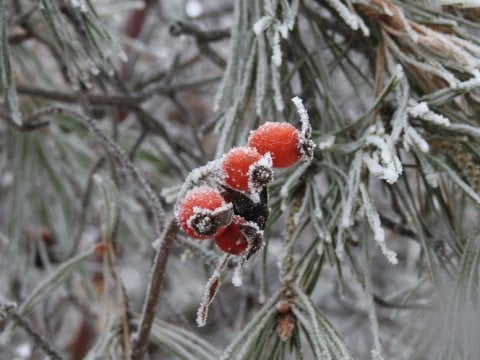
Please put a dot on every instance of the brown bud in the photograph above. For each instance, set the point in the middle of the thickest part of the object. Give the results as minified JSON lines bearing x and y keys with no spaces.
{"x":285,"y":325}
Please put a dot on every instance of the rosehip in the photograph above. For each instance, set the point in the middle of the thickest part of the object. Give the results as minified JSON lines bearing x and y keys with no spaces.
{"x":243,"y":169}
{"x":232,"y":240}
{"x":281,"y":139}
{"x":203,"y":213}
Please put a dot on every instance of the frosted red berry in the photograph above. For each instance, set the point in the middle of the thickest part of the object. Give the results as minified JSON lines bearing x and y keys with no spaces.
{"x":243,"y":168}
{"x":203,"y":213}
{"x":281,"y":139}
{"x":232,"y":241}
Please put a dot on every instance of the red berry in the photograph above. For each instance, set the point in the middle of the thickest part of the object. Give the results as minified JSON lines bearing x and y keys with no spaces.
{"x":280,"y":139}
{"x":232,"y":241}
{"x":203,"y":213}
{"x":242,"y":168}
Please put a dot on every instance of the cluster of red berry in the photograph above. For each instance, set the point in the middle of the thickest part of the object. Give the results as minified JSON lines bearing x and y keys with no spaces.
{"x":235,"y":209}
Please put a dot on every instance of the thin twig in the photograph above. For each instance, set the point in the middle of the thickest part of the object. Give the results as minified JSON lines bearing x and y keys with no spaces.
{"x":85,"y":199}
{"x":182,"y":28}
{"x":154,"y":288}
{"x":8,"y":310}
{"x":132,"y":100}
{"x":38,"y":340}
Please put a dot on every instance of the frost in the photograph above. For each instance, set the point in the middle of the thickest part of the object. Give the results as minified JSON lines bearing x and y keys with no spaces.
{"x":411,"y":136}
{"x":237,"y":276}
{"x":80,"y":4}
{"x":278,"y":98}
{"x":388,"y":173}
{"x":283,"y":30}
{"x":421,"y":110}
{"x":326,"y":142}
{"x":388,"y":167}
{"x":302,"y":112}
{"x":202,"y":219}
{"x":382,"y":145}
{"x":470,"y":84}
{"x":340,"y":247}
{"x":264,"y":170}
{"x":206,"y":175}
{"x":306,"y":144}
{"x":351,"y":19}
{"x":276,"y":50}
{"x":432,"y":179}
{"x":353,"y":182}
{"x":376,"y":226}
{"x":262,"y":24}
{"x":254,"y":237}
{"x":320,"y":248}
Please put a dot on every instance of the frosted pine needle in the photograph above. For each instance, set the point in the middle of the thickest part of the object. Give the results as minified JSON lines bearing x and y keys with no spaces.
{"x":376,"y":226}
{"x":411,"y":137}
{"x":351,"y":19}
{"x":262,"y":24}
{"x":421,"y":110}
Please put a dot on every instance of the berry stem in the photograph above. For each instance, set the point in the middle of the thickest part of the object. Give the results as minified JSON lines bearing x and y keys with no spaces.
{"x":154,"y":289}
